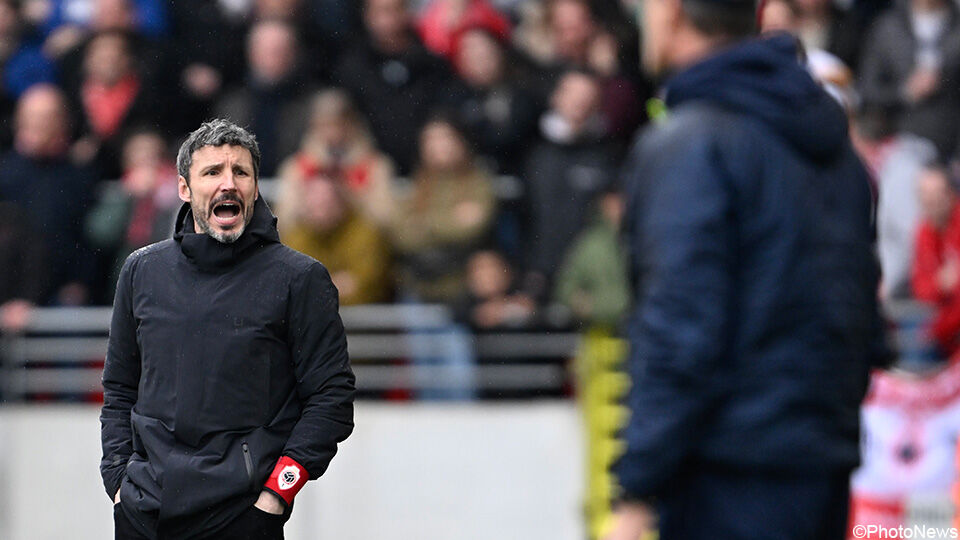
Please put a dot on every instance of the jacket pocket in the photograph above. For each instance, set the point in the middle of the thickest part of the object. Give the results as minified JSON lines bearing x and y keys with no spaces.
{"x":248,"y":465}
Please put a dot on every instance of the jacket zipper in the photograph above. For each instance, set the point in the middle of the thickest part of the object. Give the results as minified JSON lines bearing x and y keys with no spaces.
{"x":247,"y":462}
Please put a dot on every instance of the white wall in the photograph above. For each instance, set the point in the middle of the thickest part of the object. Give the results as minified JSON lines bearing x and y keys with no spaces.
{"x":417,"y":472}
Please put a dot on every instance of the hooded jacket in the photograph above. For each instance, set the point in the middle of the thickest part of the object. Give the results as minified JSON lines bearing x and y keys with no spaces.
{"x":223,"y":360}
{"x":750,"y":228}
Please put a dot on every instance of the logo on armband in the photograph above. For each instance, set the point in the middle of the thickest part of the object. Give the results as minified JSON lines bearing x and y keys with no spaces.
{"x":288,"y":477}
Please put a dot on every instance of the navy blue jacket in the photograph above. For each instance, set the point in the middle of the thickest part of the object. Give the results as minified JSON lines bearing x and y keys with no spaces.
{"x":750,"y":228}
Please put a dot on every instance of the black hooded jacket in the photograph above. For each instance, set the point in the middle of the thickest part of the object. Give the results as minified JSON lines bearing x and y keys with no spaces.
{"x":750,"y":227}
{"x":221,"y":359}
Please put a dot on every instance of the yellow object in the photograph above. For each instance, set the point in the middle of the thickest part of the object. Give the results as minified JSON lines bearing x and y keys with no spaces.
{"x":602,"y":384}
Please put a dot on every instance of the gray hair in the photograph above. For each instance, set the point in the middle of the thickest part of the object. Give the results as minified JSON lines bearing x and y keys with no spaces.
{"x":217,"y":132}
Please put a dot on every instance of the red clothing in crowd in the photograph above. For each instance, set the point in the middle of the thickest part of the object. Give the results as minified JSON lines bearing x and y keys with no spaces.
{"x":439,"y":28}
{"x":933,"y":249}
{"x":106,"y":106}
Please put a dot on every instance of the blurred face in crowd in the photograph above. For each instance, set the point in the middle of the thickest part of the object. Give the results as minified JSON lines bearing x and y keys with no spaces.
{"x":480,"y":59}
{"x":333,"y":119}
{"x":937,"y":196}
{"x":221,"y":191}
{"x":573,"y":28}
{"x":144,"y":150}
{"x":612,"y":208}
{"x":778,"y":16}
{"x":603,"y":55}
{"x":41,"y":123}
{"x":271,"y":51}
{"x":442,"y":148}
{"x":112,"y":15}
{"x":388,"y":23}
{"x":576,"y":98}
{"x":107,"y":59}
{"x":324,"y":206}
{"x":488,"y":274}
{"x":142,"y":155}
{"x":276,"y":9}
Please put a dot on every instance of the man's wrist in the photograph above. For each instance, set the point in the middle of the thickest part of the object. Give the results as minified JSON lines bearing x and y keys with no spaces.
{"x":286,"y":480}
{"x":271,"y":503}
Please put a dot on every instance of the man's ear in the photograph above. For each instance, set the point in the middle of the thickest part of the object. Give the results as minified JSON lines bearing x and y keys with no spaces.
{"x":183,"y":189}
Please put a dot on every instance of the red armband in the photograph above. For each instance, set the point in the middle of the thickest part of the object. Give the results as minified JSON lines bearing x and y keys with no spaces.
{"x":286,"y":479}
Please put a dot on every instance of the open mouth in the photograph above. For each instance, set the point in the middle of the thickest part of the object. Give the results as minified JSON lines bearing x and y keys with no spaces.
{"x":226,"y":214}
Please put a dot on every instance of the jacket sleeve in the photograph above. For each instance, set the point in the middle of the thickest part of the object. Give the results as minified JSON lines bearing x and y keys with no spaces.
{"x":682,"y":236}
{"x":325,"y":382}
{"x":121,"y":378}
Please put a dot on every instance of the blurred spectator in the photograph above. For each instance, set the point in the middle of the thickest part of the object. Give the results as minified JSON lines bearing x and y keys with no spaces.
{"x":67,"y":23}
{"x":337,"y":147}
{"x":23,"y":266}
{"x":448,"y":214}
{"x":305,"y":18}
{"x":592,"y":282}
{"x":206,"y":55}
{"x":573,"y":28}
{"x":825,"y":25}
{"x":533,"y":35}
{"x":113,"y":98}
{"x":22,"y":64}
{"x":564,"y":174}
{"x":578,"y":39}
{"x":895,"y":161}
{"x":556,"y":35}
{"x":272,"y":103}
{"x":142,"y":209}
{"x":785,"y":16}
{"x":328,"y":229}
{"x":394,"y":79}
{"x":443,"y":20}
{"x":621,"y":95}
{"x":912,"y":59}
{"x":53,"y":192}
{"x":493,"y":300}
{"x":936,"y":270}
{"x":500,"y":115}
{"x":208,"y":47}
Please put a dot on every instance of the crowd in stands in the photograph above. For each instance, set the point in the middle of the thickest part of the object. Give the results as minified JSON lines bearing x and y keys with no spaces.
{"x":446,"y":151}
{"x":456,"y":151}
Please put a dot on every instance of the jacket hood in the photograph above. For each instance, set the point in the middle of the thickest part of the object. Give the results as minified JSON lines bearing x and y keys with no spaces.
{"x":212,"y":255}
{"x":764,"y":78}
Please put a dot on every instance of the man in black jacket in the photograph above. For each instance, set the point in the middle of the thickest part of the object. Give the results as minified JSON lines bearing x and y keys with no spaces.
{"x":227,"y":383}
{"x":751,"y":236}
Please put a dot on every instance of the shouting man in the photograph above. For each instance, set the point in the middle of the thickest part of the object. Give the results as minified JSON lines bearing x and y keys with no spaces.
{"x":227,"y":383}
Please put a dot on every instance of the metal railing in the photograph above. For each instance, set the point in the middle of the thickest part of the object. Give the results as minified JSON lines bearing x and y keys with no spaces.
{"x":61,"y":352}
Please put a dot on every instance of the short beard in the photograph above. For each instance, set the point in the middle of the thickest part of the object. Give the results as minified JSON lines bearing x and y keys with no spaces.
{"x":203,"y":220}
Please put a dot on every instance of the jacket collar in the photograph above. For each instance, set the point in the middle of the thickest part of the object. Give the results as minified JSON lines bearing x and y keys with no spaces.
{"x":211,"y":255}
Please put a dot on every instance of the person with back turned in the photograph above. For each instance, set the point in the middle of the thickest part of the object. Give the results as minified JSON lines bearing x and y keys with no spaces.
{"x":227,"y":384}
{"x":756,"y":322}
